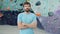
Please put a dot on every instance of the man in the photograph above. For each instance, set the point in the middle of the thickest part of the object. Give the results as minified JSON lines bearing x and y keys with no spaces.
{"x":26,"y":20}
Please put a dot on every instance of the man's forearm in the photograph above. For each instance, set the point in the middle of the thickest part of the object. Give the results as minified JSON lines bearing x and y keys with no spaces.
{"x":22,"y":27}
{"x":31,"y":25}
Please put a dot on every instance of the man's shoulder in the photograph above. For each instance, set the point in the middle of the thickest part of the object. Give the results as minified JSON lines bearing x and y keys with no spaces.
{"x":20,"y":13}
{"x":33,"y":14}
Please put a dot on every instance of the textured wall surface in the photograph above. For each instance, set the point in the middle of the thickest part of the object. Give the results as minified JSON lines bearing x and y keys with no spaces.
{"x":45,"y":7}
{"x":14,"y":4}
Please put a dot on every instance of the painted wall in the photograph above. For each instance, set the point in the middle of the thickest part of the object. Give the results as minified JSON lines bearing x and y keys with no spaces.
{"x":0,"y":4}
{"x":46,"y":6}
{"x":12,"y":4}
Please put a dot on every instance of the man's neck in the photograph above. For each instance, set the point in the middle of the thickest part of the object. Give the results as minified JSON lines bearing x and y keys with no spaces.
{"x":27,"y":12}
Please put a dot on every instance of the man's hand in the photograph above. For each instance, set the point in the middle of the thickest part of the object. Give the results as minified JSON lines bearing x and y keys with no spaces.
{"x":32,"y":25}
{"x":21,"y":26}
{"x":26,"y":25}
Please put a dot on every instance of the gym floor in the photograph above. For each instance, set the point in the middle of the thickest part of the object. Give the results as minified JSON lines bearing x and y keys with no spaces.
{"x":8,"y":29}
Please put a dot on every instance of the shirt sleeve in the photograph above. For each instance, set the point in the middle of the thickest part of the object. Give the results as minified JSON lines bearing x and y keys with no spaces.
{"x":19,"y":18}
{"x":34,"y":18}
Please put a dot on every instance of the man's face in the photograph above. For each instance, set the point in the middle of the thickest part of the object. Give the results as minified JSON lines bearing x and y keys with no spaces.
{"x":27,"y":7}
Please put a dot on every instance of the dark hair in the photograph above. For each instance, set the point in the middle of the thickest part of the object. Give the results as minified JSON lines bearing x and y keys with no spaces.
{"x":26,"y":3}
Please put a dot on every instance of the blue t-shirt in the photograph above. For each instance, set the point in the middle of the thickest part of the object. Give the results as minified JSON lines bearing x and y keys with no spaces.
{"x":27,"y":19}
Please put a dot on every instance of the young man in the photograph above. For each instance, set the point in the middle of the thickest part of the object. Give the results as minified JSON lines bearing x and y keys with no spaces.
{"x":26,"y":20}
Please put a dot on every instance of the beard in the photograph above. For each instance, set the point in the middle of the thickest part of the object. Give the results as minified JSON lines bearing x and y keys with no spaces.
{"x":27,"y":10}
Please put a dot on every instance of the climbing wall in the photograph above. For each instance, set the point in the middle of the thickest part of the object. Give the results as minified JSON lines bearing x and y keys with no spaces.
{"x":0,"y":4}
{"x":12,"y":4}
{"x":44,"y":6}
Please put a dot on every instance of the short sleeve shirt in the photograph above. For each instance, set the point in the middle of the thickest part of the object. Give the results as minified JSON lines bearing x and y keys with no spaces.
{"x":27,"y":19}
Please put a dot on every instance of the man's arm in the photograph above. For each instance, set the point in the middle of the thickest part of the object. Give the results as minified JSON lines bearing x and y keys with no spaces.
{"x":21,"y":26}
{"x":33,"y":24}
{"x":19,"y":22}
